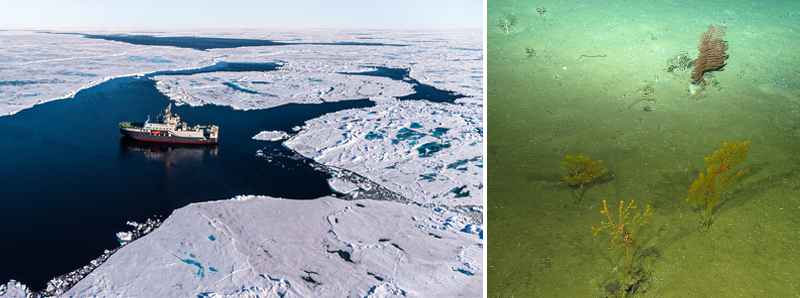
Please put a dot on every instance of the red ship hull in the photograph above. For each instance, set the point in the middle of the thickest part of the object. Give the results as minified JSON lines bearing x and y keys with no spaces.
{"x":145,"y":137}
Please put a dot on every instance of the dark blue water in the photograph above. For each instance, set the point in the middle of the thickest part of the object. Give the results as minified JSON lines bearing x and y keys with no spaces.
{"x":68,"y":182}
{"x":239,"y":88}
{"x":206,"y":43}
{"x":421,"y":91}
{"x":221,"y":66}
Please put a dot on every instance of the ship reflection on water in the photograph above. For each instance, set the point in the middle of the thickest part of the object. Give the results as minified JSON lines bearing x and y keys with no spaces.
{"x":169,"y":154}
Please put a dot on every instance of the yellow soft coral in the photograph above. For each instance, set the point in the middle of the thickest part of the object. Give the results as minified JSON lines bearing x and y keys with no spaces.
{"x":582,"y":170}
{"x":623,"y":229}
{"x":705,"y":192}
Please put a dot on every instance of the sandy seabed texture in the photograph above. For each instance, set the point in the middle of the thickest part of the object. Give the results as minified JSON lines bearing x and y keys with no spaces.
{"x":591,"y":77}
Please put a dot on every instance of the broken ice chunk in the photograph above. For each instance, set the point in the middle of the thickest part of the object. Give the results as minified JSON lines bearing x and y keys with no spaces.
{"x":271,"y":136}
{"x":124,"y":237}
{"x":473,"y":229}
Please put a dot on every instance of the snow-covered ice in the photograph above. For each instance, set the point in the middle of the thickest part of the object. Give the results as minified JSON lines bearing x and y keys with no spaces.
{"x":430,"y":243}
{"x":342,"y":185}
{"x":271,"y":136}
{"x":39,"y":67}
{"x":428,"y":152}
{"x":312,"y":73}
{"x":262,"y":246}
{"x":14,"y":289}
{"x":290,"y":84}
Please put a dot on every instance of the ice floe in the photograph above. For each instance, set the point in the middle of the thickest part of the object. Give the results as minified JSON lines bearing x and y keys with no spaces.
{"x":271,"y":136}
{"x":15,"y":289}
{"x":298,"y":248}
{"x":428,"y":152}
{"x":311,"y":73}
{"x":39,"y":67}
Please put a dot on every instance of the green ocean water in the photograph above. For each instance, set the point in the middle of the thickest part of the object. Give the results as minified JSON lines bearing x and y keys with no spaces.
{"x":591,"y":77}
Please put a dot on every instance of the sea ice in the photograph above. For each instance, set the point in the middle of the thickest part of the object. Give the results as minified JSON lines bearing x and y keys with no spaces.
{"x":37,"y":67}
{"x":342,"y":186}
{"x":271,"y":136}
{"x":421,"y":234}
{"x":384,"y":144}
{"x":14,"y":289}
{"x":301,"y":248}
{"x":312,"y":73}
{"x":40,"y":67}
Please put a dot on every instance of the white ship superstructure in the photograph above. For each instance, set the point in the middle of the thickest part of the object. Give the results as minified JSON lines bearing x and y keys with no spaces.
{"x":170,"y":130}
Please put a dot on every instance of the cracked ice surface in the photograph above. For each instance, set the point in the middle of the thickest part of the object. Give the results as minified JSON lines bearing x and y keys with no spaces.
{"x":14,"y":289}
{"x":302,"y":248}
{"x":309,"y":82}
{"x":311,"y":73}
{"x":428,"y":152}
{"x":449,"y":60}
{"x":39,"y":67}
{"x":394,"y":144}
{"x":440,"y":161}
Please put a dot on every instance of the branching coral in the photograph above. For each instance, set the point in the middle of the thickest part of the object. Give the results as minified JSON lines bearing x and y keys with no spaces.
{"x":706,"y":190}
{"x":582,"y":171}
{"x":623,"y":230}
{"x":712,"y":54}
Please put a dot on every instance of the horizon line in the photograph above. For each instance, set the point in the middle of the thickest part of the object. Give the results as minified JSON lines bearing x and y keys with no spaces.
{"x":252,"y":28}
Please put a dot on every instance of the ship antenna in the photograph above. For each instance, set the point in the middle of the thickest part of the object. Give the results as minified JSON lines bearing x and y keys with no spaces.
{"x":148,"y":119}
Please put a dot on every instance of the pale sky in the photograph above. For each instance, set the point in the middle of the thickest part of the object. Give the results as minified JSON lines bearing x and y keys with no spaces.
{"x":188,"y":14}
